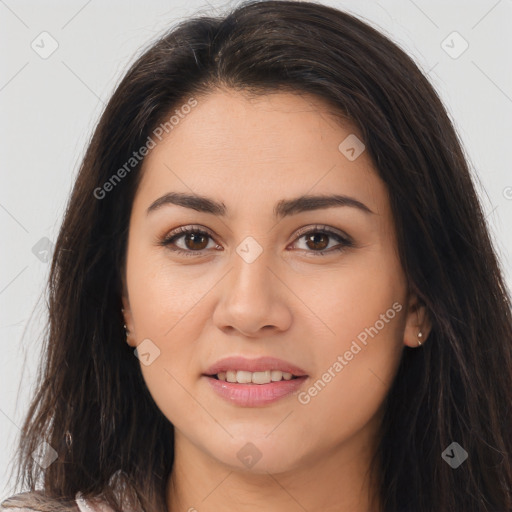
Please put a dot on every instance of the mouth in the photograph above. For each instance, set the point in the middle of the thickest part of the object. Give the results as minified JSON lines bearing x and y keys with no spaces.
{"x":254,"y":382}
{"x":262,"y":370}
{"x":258,"y":378}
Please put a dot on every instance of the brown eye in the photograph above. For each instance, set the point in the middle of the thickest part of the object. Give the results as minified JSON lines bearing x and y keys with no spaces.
{"x":195,"y":241}
{"x":317,"y":241}
{"x":192,"y":240}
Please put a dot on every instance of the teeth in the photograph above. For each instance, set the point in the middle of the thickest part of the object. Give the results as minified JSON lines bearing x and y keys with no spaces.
{"x":276,"y":375}
{"x":261,"y":377}
{"x":244,"y":377}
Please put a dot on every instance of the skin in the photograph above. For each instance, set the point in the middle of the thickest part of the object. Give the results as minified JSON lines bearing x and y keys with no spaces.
{"x":250,"y":153}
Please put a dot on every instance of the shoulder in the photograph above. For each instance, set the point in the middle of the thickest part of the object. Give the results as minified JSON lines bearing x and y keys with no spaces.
{"x":36,"y":501}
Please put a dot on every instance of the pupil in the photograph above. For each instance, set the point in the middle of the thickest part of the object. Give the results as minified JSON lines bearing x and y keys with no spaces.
{"x":313,"y":238}
{"x":194,"y":239}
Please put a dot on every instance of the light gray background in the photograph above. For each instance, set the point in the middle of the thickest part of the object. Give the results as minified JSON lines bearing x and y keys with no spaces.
{"x":50,"y":106}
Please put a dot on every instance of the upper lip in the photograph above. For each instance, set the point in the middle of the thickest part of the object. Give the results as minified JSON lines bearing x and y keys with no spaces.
{"x":254,"y":365}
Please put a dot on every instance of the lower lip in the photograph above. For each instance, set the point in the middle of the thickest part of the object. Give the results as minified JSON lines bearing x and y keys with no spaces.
{"x":255,"y":395}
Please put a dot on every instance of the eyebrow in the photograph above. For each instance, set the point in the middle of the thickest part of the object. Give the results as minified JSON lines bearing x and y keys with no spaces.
{"x":283,"y":208}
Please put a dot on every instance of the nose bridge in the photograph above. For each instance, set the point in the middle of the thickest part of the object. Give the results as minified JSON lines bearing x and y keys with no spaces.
{"x":250,"y":275}
{"x":250,"y":298}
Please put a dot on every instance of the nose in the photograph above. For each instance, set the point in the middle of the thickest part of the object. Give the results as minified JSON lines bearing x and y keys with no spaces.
{"x":254,"y":299}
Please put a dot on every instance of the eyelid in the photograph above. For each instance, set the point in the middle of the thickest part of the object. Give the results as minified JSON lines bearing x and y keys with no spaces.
{"x":322,"y":227}
{"x":167,"y":239}
{"x":176,"y":233}
{"x":300,"y":232}
{"x":189,"y":227}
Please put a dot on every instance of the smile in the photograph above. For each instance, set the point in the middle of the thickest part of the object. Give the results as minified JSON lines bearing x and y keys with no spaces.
{"x":254,"y":382}
{"x":245,"y":377}
{"x":252,"y":394}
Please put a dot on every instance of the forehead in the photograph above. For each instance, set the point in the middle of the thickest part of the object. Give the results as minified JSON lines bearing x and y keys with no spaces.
{"x":266,"y":147}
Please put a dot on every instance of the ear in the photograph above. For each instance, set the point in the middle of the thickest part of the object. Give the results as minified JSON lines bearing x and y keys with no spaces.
{"x":128,"y":318}
{"x":417,"y":320}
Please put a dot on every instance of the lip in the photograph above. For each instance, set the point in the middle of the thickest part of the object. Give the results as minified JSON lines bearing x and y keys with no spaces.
{"x":254,"y":365}
{"x":254,"y":395}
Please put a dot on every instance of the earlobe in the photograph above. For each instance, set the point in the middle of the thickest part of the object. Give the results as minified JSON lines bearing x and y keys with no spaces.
{"x":417,"y":325}
{"x":128,"y":321}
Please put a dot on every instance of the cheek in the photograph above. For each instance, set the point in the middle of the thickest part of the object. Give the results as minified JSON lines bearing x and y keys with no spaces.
{"x":166,"y":306}
{"x":359,"y":348}
{"x":163,"y":294}
{"x":366,"y":293}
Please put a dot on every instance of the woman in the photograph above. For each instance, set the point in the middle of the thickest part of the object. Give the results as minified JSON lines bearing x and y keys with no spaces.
{"x":347,"y":348}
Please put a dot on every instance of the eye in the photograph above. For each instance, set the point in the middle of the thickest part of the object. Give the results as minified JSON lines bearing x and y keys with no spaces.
{"x":193,"y":237}
{"x":195,"y":240}
{"x":317,"y":240}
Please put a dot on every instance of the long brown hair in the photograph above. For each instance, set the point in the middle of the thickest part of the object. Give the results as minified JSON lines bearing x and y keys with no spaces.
{"x":456,"y":388}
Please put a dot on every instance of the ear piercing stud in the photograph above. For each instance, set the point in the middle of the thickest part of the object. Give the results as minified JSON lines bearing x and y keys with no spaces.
{"x":124,"y":325}
{"x":419,"y":338}
{"x":69,"y":439}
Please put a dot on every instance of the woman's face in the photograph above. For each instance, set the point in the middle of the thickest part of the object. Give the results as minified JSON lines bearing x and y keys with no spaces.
{"x":317,"y":286}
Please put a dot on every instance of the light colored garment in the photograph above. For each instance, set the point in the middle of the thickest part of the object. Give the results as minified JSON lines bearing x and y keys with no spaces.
{"x":89,"y":506}
{"x":36,"y":501}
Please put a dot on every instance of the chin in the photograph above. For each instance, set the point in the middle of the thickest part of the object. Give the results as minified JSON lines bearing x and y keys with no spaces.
{"x":258,"y":454}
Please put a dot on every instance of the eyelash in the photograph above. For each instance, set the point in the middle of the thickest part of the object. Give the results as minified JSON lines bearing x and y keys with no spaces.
{"x":180,"y":232}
